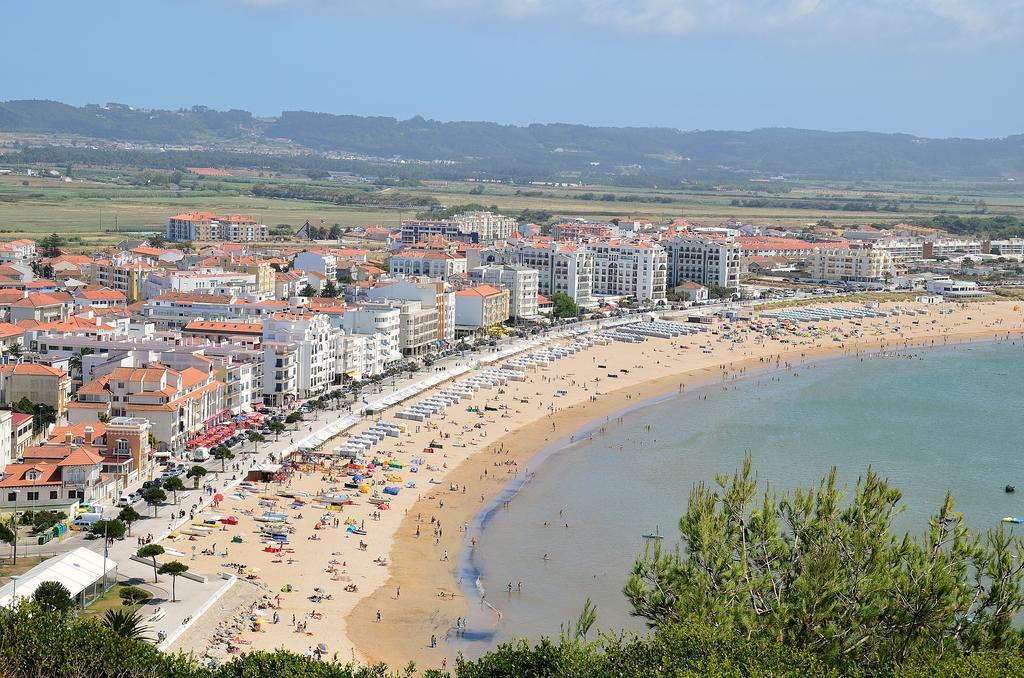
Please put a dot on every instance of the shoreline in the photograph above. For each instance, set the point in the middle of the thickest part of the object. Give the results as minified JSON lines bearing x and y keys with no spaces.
{"x":470,"y":571}
{"x":412,"y":567}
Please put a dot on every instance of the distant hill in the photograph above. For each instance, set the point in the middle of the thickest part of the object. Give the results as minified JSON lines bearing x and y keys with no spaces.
{"x":545,"y":151}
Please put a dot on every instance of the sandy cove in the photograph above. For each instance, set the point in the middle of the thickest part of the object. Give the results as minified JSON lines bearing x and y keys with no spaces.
{"x":406,"y":590}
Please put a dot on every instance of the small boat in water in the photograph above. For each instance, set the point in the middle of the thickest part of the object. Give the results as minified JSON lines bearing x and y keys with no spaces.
{"x":1009,"y":488}
{"x":655,"y":536}
{"x":1011,"y":519}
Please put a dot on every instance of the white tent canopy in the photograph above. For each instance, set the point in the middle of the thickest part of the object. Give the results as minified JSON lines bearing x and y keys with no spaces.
{"x":77,"y":570}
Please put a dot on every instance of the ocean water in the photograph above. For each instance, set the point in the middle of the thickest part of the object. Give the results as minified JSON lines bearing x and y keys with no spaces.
{"x":933,"y":419}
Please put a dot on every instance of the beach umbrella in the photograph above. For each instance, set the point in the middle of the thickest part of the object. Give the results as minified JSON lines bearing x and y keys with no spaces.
{"x":218,"y":497}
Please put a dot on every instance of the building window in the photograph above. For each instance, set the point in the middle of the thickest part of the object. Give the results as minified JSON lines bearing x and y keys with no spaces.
{"x":122,"y":445}
{"x":53,"y":494}
{"x":12,"y":496}
{"x":33,"y":496}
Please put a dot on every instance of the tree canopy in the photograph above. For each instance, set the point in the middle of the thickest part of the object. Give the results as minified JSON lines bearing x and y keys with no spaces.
{"x":564,"y":306}
{"x":833,"y":579}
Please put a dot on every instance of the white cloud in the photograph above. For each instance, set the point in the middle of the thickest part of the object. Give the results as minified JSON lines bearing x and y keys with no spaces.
{"x":909,"y":22}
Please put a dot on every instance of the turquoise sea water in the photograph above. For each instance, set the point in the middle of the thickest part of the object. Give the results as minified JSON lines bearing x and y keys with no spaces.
{"x":934,"y":419}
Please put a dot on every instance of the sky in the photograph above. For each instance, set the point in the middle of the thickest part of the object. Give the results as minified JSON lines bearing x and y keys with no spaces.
{"x":935,"y":68}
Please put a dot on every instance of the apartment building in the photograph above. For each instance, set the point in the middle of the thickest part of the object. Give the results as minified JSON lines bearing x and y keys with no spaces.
{"x":950,"y":247}
{"x":488,"y":226}
{"x":22,"y":433}
{"x":6,"y":439}
{"x":123,"y":274}
{"x":280,"y":373}
{"x":248,"y":334}
{"x":288,"y":284}
{"x":206,"y":226}
{"x":561,"y":267}
{"x":122,"y":444}
{"x":631,"y":268}
{"x":521,"y":283}
{"x":766,"y":246}
{"x":21,"y":251}
{"x":901,"y":249}
{"x":240,"y":365}
{"x":704,"y":260}
{"x":201,"y":281}
{"x":42,"y":307}
{"x":103,"y":297}
{"x":418,"y":328}
{"x":178,"y":404}
{"x":440,"y":265}
{"x":1012,"y":247}
{"x":383,"y":323}
{"x":581,"y":230}
{"x":39,"y":383}
{"x":480,"y":307}
{"x":432,"y":295}
{"x":261,"y":270}
{"x":472,"y":227}
{"x":237,"y":377}
{"x":313,"y":336}
{"x":852,"y":264}
{"x":421,"y":230}
{"x":318,"y":261}
{"x":174,"y":310}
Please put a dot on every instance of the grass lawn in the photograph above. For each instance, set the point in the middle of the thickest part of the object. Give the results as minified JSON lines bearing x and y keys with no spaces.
{"x":25,"y":563}
{"x":111,"y":600}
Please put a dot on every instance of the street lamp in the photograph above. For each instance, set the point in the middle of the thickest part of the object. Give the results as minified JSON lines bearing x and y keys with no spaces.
{"x":14,"y":593}
{"x":14,"y":525}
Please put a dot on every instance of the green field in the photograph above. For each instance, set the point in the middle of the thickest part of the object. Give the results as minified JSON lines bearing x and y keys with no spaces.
{"x":101,"y":208}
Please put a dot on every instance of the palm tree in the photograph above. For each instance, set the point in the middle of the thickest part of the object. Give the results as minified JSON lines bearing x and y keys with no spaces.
{"x":75,"y":361}
{"x":15,"y":350}
{"x":126,"y":623}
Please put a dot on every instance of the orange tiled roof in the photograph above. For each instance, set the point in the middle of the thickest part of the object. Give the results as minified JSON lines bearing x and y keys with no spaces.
{"x":217,"y":326}
{"x":33,"y":369}
{"x":7,"y":330}
{"x":478,"y":291}
{"x":49,"y":475}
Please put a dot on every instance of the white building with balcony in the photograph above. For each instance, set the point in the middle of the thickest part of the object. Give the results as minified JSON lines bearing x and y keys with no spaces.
{"x":629,"y":268}
{"x":520,"y":281}
{"x":704,"y":260}
{"x":313,"y":336}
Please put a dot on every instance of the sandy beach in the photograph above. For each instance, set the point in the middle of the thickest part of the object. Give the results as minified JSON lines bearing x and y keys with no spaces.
{"x":406,"y":578}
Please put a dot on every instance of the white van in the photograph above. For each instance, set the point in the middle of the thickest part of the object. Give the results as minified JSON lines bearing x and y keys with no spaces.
{"x":200,"y":454}
{"x":86,"y":521}
{"x":126,"y":499}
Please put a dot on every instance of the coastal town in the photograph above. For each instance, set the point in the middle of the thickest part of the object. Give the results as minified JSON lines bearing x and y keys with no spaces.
{"x":283,"y":442}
